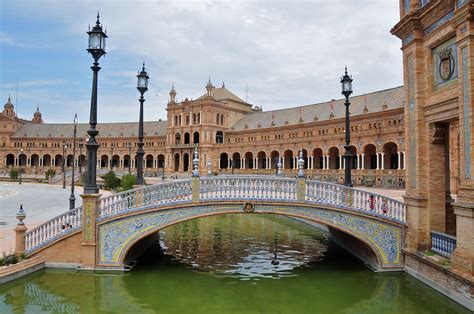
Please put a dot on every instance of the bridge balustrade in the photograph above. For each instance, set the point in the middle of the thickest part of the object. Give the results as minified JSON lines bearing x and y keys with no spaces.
{"x":148,"y":196}
{"x":54,"y":228}
{"x":442,"y":243}
{"x":349,"y":198}
{"x":248,"y":188}
{"x":258,"y":188}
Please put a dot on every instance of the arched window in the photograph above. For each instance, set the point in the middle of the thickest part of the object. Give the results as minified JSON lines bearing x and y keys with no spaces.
{"x":217,"y":118}
{"x":196,"y":137}
{"x":187,"y":138}
{"x":219,"y":137}
{"x":222,"y":119}
{"x":177,"y":138}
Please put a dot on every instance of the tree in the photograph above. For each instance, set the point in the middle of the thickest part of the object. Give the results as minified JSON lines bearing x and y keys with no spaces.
{"x":50,"y":173}
{"x":14,"y":173}
{"x":111,"y":182}
{"x":128,"y":181}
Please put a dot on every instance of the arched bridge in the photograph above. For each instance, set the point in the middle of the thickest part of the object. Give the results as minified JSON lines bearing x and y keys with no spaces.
{"x":119,"y":221}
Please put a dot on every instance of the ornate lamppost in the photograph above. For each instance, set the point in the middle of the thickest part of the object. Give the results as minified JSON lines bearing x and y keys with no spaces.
{"x":346,"y":84}
{"x":64,"y":165}
{"x":96,"y":49}
{"x":19,"y":162}
{"x":81,"y":144}
{"x":72,"y":198}
{"x":142,"y":86}
{"x":129,"y":157}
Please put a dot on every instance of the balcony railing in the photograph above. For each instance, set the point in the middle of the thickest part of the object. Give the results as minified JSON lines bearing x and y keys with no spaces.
{"x":442,"y":243}
{"x":184,"y":145}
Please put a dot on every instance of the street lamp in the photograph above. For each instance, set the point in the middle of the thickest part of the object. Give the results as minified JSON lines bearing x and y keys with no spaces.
{"x":142,"y":86}
{"x":64,"y":163}
{"x":129,"y":157}
{"x":81,"y":144}
{"x":19,"y":161}
{"x":72,"y":198}
{"x":346,"y":84}
{"x":96,"y":49}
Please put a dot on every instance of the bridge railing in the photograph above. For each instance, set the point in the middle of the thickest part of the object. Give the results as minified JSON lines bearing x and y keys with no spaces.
{"x":153,"y":195}
{"x":442,"y":243}
{"x":354,"y":199}
{"x":52,"y":229}
{"x":247,"y":187}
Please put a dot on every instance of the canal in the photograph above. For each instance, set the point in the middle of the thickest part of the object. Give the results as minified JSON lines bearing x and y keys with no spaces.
{"x":230,"y":264}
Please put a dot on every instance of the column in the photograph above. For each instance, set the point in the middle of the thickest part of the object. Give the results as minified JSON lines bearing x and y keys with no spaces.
{"x":282,"y":162}
{"x":340,"y":162}
{"x":219,"y":163}
{"x":362,"y":161}
{"x":90,"y":206}
{"x":255,"y":163}
{"x":382,"y":157}
{"x":324,"y":162}
{"x":399,"y":160}
{"x":378,"y":161}
{"x":242,"y":163}
{"x":295,"y":162}
{"x":404,"y":167}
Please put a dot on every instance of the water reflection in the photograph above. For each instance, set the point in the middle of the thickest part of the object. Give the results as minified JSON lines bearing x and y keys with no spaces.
{"x":244,"y":246}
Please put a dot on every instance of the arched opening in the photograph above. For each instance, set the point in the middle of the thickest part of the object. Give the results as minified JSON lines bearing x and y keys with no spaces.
{"x":126,"y":161}
{"x":177,"y":138}
{"x":275,"y":158}
{"x":196,"y":136}
{"x":305,"y":158}
{"x":81,"y":160}
{"x":219,"y":137}
{"x":236,"y":160}
{"x":289,"y":160}
{"x":69,"y":160}
{"x":115,"y":161}
{"x":185,"y":162}
{"x":11,"y":160}
{"x":224,"y":161}
{"x":354,"y":158}
{"x":248,"y":160}
{"x":34,"y":160}
{"x":47,"y":160}
{"x":334,"y":160}
{"x":187,"y":138}
{"x":176,"y":162}
{"x":390,"y":156}
{"x":370,"y":157}
{"x":161,"y":161}
{"x":22,"y":160}
{"x":318,"y":162}
{"x":149,"y":161}
{"x":58,"y":160}
{"x":104,"y":161}
{"x":261,"y":160}
{"x":367,"y":250}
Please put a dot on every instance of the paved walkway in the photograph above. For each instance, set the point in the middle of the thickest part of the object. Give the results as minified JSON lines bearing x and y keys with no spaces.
{"x":41,"y":202}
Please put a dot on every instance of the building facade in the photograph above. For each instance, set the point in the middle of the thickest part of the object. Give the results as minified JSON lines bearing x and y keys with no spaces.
{"x":234,"y":136}
{"x":438,"y":50}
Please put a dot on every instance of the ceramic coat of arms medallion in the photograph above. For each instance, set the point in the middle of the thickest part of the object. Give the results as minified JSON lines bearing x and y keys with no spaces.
{"x":446,"y":65}
{"x":248,"y":208}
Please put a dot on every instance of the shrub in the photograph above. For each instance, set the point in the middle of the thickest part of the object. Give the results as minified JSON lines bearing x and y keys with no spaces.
{"x":14,"y":173}
{"x":50,"y":173}
{"x":6,"y":260}
{"x":111,"y":181}
{"x":128,"y":181}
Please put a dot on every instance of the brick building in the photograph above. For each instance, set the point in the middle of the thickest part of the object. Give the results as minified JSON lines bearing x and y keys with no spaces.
{"x":235,"y":136}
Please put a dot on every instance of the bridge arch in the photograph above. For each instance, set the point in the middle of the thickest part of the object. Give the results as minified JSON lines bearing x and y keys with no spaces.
{"x":384,"y":240}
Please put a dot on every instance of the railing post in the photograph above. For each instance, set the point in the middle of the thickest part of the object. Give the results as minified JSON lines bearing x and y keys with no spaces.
{"x":90,"y":212}
{"x":20,"y":231}
{"x":300,"y":181}
{"x":195,"y":181}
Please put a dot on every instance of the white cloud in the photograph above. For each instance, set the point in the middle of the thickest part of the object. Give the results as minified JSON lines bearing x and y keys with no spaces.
{"x":288,"y":52}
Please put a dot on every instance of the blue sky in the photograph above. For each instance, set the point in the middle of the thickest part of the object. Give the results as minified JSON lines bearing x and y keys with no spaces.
{"x":289,"y":53}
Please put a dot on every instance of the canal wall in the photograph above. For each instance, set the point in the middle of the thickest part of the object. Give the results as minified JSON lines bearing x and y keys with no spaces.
{"x":21,"y":269}
{"x":441,"y":279}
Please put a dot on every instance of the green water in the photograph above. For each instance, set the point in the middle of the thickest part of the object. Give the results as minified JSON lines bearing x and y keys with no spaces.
{"x":224,"y":265}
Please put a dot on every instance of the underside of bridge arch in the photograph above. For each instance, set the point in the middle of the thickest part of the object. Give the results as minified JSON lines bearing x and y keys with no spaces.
{"x":118,"y":236}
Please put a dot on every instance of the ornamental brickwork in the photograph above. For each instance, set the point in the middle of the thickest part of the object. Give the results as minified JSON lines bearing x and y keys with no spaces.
{"x":438,"y":50}
{"x":234,"y":135}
